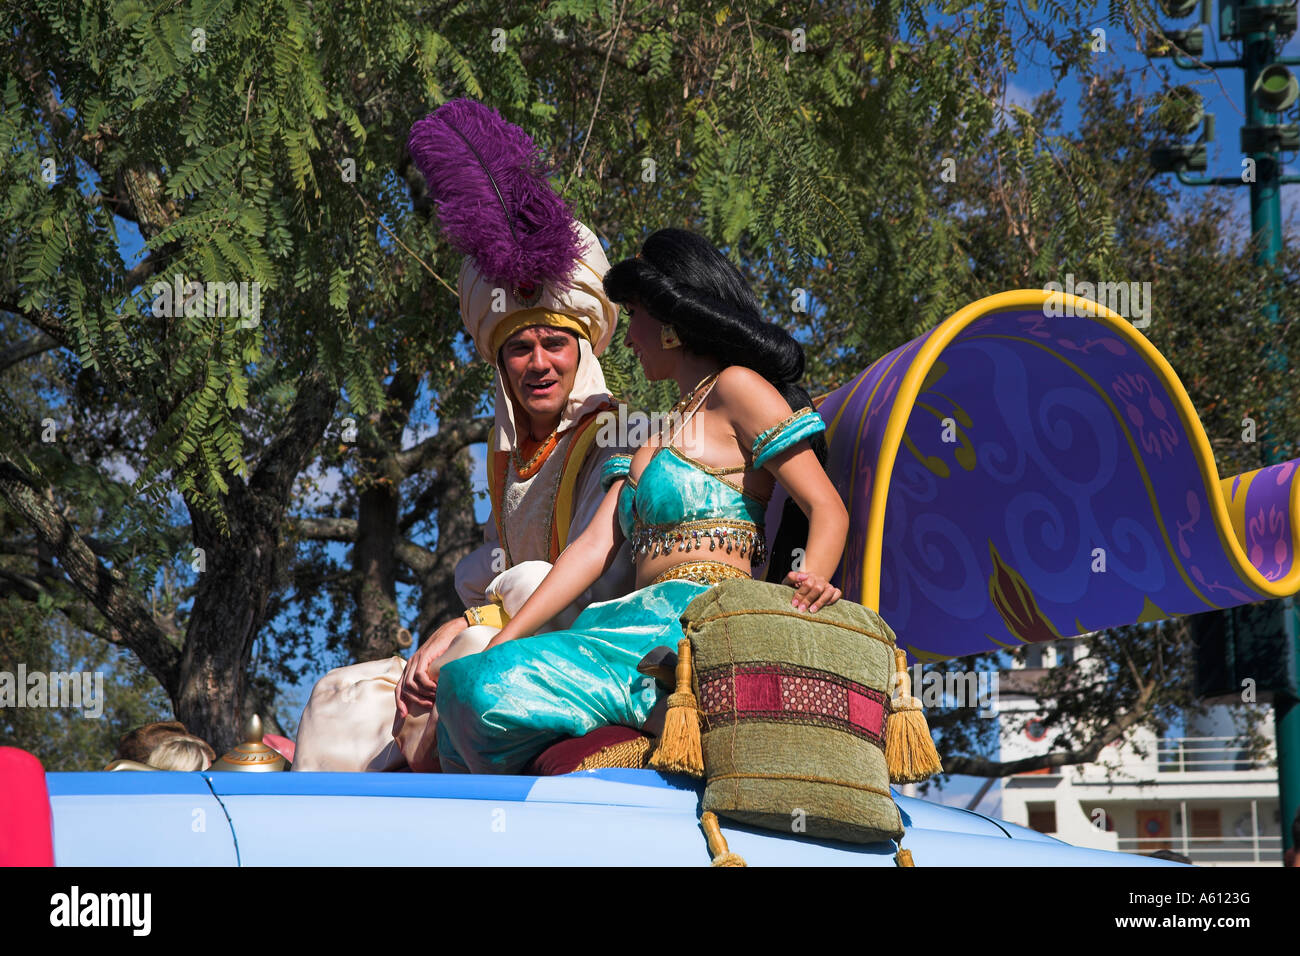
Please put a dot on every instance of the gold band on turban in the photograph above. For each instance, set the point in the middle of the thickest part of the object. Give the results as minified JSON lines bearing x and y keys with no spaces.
{"x":537,"y":316}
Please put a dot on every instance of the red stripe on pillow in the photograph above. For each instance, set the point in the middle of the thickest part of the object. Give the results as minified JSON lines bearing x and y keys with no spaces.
{"x":760,"y":691}
{"x":866,"y":713}
{"x":765,"y":690}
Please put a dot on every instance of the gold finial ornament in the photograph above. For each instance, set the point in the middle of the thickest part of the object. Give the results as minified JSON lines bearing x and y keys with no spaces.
{"x":252,"y":754}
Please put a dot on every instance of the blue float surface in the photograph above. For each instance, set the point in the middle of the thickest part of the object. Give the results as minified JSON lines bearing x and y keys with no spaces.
{"x":597,"y":818}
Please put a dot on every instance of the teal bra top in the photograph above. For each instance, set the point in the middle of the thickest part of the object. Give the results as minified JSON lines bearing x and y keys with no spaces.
{"x":678,"y":502}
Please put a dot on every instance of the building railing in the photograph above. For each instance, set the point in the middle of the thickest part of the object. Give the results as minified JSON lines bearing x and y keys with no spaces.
{"x":1204,"y":754}
{"x":1247,"y":849}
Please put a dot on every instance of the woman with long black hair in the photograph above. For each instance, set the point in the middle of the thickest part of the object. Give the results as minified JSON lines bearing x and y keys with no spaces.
{"x":691,"y":501}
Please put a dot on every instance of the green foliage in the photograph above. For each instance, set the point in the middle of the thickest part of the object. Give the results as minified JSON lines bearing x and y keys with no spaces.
{"x":123,"y":695}
{"x":226,"y":125}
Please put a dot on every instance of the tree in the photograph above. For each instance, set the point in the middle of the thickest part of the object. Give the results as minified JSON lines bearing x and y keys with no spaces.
{"x":227,"y":137}
{"x":114,"y":695}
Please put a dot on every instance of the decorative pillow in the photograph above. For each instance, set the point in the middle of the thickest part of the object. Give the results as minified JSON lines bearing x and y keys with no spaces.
{"x":604,"y":747}
{"x":794,"y":707}
{"x":516,"y":584}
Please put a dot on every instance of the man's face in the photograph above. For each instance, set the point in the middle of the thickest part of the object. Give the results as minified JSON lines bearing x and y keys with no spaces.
{"x":541,"y":364}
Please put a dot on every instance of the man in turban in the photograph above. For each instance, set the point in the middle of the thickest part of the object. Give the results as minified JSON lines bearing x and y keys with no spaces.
{"x":544,"y":466}
{"x":536,"y":309}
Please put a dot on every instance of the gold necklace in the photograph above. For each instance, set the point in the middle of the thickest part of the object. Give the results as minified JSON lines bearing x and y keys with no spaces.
{"x":690,"y":396}
{"x":522,"y":468}
{"x":677,"y":411}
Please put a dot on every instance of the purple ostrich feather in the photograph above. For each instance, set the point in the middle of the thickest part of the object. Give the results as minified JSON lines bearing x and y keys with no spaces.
{"x":494,"y":200}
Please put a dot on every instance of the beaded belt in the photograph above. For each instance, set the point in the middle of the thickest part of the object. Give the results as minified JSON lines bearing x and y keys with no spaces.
{"x":701,"y":572}
{"x":657,"y":539}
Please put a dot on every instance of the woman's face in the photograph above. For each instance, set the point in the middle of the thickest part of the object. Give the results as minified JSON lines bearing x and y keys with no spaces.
{"x":642,"y":338}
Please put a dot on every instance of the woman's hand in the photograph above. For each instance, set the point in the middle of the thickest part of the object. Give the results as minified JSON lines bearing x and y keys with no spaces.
{"x":812,"y":591}
{"x":419,"y":683}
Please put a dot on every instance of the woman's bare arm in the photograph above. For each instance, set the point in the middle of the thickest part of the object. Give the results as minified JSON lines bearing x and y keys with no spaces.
{"x":753,"y":405}
{"x":576,"y":569}
{"x":803,"y":477}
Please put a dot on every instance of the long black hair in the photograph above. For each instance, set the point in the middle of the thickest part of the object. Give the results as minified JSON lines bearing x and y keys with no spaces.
{"x":683,"y":281}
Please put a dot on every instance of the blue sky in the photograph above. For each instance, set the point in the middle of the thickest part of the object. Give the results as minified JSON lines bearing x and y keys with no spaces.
{"x":1222,"y":91}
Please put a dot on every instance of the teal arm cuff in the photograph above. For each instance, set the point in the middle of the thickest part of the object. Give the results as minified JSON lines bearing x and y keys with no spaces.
{"x":617,"y":467}
{"x":802,"y":425}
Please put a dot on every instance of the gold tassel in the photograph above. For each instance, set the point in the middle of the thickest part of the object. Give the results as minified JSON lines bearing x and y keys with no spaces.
{"x":679,"y":749}
{"x":903,"y":858}
{"x":909,"y":748}
{"x":722,"y":856}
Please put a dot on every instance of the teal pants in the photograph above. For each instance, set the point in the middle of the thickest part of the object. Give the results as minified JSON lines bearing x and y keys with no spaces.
{"x":499,"y":709}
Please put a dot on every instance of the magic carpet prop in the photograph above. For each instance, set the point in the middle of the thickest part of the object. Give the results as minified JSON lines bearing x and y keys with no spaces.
{"x":995,"y":465}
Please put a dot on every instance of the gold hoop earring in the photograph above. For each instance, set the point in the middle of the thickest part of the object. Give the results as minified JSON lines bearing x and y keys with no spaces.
{"x":668,"y":337}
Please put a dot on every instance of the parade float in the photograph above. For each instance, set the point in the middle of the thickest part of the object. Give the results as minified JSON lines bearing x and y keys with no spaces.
{"x":1027,"y":470}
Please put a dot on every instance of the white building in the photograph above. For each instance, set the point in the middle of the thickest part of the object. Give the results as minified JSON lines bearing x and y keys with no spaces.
{"x":1198,"y":795}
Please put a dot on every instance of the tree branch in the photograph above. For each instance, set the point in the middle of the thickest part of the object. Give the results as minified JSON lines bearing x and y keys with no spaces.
{"x":149,"y":205}
{"x":327,"y":529}
{"x":21,"y":351}
{"x":418,"y":558}
{"x":80,"y":619}
{"x":141,"y":271}
{"x":106,"y":588}
{"x":1113,"y":731}
{"x":43,"y":319}
{"x":433,"y":495}
{"x":28,"y":587}
{"x":288,"y":451}
{"x":441,"y":446}
{"x":174,"y":536}
{"x":31,"y":588}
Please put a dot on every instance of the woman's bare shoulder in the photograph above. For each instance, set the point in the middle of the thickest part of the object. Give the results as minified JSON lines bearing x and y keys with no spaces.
{"x":752,"y":402}
{"x":738,"y":378}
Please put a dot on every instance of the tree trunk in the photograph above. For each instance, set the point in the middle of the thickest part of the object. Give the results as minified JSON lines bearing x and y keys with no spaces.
{"x":241,"y":571}
{"x":458,"y":534}
{"x":235,"y":582}
{"x":374,"y":560}
{"x":374,"y":557}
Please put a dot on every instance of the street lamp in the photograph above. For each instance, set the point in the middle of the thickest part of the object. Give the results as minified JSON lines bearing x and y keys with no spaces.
{"x":1180,"y":113}
{"x":1276,"y":88}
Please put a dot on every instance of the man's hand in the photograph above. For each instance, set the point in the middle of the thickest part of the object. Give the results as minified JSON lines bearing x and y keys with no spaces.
{"x":812,"y":591}
{"x":418,"y":683}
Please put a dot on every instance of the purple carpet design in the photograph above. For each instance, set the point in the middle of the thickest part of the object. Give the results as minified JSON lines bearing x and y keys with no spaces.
{"x":1013,"y":477}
